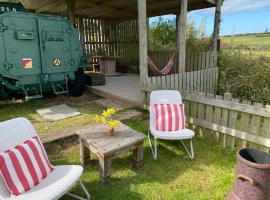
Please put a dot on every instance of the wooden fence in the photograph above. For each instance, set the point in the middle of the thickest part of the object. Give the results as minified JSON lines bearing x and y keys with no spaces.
{"x":120,"y":38}
{"x":202,"y":80}
{"x":228,"y":121}
{"x":195,"y":60}
{"x":111,"y":38}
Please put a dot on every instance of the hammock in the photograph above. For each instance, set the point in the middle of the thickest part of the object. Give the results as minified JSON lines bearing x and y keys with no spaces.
{"x":166,"y":70}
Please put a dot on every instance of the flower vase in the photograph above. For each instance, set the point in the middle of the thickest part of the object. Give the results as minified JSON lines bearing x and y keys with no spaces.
{"x":110,"y":132}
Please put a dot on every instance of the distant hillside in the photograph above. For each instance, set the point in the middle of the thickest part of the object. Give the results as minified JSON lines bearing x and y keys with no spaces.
{"x":249,"y":34}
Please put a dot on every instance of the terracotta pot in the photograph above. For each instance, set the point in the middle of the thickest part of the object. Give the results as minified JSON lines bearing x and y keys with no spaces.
{"x":110,"y":132}
{"x":252,"y":180}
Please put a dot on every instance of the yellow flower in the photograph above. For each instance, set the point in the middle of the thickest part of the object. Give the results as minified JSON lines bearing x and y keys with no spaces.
{"x":113,"y":123}
{"x":96,"y":118}
{"x":106,"y":113}
{"x":103,"y":119}
{"x":112,"y":111}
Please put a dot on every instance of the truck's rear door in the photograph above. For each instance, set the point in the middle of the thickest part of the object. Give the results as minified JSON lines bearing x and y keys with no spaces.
{"x":55,"y":45}
{"x":21,"y":44}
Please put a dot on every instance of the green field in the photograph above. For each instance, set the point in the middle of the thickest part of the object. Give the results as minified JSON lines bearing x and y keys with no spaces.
{"x":252,"y":41}
{"x":258,"y":43}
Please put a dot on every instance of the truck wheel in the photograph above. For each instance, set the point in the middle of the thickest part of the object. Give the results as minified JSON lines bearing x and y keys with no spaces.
{"x":3,"y":92}
{"x":79,"y":83}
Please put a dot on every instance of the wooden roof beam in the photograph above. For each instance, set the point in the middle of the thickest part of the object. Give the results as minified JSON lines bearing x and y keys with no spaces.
{"x":50,"y":6}
{"x":212,"y":1}
{"x":105,"y":7}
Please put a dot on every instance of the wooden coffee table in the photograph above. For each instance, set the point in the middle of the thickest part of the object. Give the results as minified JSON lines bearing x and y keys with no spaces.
{"x":106,"y":148}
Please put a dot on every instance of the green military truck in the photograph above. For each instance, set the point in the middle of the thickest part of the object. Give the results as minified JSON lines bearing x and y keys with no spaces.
{"x":38,"y":54}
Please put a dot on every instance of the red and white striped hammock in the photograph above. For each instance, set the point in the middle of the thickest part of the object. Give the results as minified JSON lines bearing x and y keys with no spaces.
{"x":166,"y":70}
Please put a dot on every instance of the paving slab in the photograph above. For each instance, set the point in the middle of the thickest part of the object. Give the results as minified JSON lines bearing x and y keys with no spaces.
{"x":58,"y":112}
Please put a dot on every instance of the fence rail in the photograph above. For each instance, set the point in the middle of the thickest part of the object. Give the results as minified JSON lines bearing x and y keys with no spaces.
{"x":230,"y":122}
{"x":203,"y":81}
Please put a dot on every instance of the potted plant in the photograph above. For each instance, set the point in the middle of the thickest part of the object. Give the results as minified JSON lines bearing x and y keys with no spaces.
{"x":107,"y":118}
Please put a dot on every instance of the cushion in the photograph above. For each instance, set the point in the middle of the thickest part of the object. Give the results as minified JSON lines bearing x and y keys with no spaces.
{"x":24,"y":166}
{"x":169,"y":117}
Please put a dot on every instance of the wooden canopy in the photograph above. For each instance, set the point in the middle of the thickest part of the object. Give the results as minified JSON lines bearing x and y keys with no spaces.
{"x":111,"y":8}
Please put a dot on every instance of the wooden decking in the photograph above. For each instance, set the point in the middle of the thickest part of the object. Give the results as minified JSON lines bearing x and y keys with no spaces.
{"x":124,"y":88}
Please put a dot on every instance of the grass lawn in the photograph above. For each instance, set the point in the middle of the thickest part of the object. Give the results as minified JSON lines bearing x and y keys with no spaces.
{"x":172,"y":176}
{"x":28,"y":109}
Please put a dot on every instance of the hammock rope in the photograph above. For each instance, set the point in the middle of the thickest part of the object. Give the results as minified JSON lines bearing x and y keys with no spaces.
{"x":166,"y":69}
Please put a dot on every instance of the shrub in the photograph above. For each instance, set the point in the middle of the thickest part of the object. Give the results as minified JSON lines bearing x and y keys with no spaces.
{"x":246,"y":77}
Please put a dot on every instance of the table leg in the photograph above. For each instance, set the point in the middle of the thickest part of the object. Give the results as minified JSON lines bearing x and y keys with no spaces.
{"x":105,"y":165}
{"x":138,"y":156}
{"x":84,"y":153}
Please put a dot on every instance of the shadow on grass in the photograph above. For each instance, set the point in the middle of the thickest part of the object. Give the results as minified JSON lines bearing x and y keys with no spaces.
{"x":208,"y":176}
{"x":173,"y":166}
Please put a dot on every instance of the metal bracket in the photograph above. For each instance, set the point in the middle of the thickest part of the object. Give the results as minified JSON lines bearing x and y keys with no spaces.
{"x":8,"y":65}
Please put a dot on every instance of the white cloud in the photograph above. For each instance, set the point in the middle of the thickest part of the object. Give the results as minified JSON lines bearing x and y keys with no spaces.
{"x":230,"y":6}
{"x":234,"y":6}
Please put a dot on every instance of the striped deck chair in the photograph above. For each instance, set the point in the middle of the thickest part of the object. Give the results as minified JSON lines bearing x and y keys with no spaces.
{"x":167,"y":120}
{"x":58,"y":182}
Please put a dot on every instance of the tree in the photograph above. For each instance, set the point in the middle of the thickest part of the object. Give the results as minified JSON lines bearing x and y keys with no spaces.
{"x":162,"y":34}
{"x":266,"y":30}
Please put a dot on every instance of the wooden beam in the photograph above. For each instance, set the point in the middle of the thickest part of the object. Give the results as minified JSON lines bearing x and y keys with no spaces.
{"x":250,"y":137}
{"x":105,"y":7}
{"x":212,"y":1}
{"x":71,"y":8}
{"x":50,"y":6}
{"x":216,"y":30}
{"x":181,"y":35}
{"x":30,"y":4}
{"x":142,"y":22}
{"x":217,"y":24}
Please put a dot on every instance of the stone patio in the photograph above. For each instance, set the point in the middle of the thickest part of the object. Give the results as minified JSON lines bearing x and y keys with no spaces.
{"x":124,"y":88}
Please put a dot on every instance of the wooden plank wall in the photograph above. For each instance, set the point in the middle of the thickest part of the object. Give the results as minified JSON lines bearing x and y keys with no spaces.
{"x":204,"y":80}
{"x":110,"y":37}
{"x":228,"y":121}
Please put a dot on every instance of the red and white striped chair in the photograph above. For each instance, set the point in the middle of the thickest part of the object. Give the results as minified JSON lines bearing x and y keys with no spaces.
{"x":168,"y":124}
{"x":15,"y":132}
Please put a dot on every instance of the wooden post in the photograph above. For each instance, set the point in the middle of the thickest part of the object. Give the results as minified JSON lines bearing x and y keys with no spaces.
{"x":142,"y":22}
{"x":217,"y":28}
{"x":177,"y":41}
{"x":84,"y":153}
{"x":138,"y":155}
{"x":105,"y":167}
{"x":71,"y":6}
{"x":181,"y":36}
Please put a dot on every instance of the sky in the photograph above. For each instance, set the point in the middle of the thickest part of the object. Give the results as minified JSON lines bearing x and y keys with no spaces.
{"x":238,"y":17}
